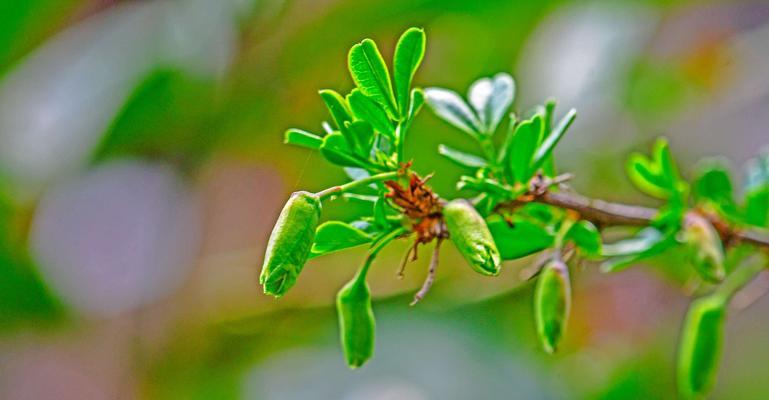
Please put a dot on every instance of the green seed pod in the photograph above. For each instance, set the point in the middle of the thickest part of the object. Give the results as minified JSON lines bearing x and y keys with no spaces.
{"x":706,"y":251}
{"x":552,"y":303}
{"x":471,"y":236}
{"x":700,"y":348}
{"x":290,"y":243}
{"x":356,"y":321}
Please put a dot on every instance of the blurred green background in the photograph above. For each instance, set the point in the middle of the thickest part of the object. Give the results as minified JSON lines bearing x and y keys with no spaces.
{"x":141,"y":170}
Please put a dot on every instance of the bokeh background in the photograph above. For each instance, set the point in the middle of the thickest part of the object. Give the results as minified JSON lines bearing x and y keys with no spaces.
{"x":141,"y":170}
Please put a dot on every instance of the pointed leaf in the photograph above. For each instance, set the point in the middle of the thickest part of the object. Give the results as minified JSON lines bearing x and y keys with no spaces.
{"x":369,"y":72}
{"x":338,"y":109}
{"x":450,"y":107}
{"x":303,"y":138}
{"x":491,"y":98}
{"x":461,"y":158}
{"x":369,"y":110}
{"x":335,"y":235}
{"x":408,"y":55}
{"x":546,"y":148}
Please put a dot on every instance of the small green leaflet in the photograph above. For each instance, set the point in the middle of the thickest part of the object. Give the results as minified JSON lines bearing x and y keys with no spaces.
{"x":335,"y":235}
{"x":450,"y":107}
{"x":586,"y":236}
{"x":524,"y":144}
{"x":336,"y":149}
{"x":408,"y":55}
{"x":366,"y":109}
{"x":461,"y":158}
{"x":337,"y":107}
{"x":491,"y":98}
{"x":303,"y":138}
{"x":369,"y":72}
{"x":547,"y":146}
{"x":521,"y":239}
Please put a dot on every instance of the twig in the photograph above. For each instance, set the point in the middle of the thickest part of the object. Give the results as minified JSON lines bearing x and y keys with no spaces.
{"x":430,"y":274}
{"x":603,"y":213}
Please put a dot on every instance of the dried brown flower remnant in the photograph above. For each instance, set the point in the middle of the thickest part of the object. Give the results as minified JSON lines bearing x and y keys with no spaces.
{"x":420,"y":205}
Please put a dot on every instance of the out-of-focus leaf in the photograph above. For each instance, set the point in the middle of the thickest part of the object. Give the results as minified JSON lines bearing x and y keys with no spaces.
{"x":109,"y":54}
{"x":713,"y":184}
{"x":647,"y":243}
{"x":757,"y":206}
{"x":547,"y":146}
{"x":461,"y":158}
{"x":408,"y":55}
{"x":369,"y":110}
{"x":491,"y":98}
{"x":369,"y":72}
{"x":450,"y":107}
{"x":303,"y":138}
{"x":519,"y":240}
{"x":335,"y":235}
{"x":586,"y":236}
{"x":524,"y":145}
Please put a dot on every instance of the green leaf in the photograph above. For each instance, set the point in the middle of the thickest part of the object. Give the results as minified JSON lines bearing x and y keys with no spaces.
{"x":366,"y":109}
{"x":491,"y":98}
{"x":547,"y":146}
{"x":713,"y":184}
{"x":643,"y":175}
{"x":699,"y":352}
{"x":302,"y":138}
{"x":369,"y":72}
{"x":521,"y":239}
{"x":647,"y":243}
{"x":336,"y":149}
{"x":362,"y":135}
{"x":335,"y":235}
{"x":417,"y":101}
{"x":450,"y":107}
{"x":461,"y":158}
{"x":338,"y":109}
{"x":380,"y":212}
{"x":586,"y":236}
{"x":757,"y":206}
{"x":523,"y":147}
{"x":552,"y":304}
{"x":408,"y":55}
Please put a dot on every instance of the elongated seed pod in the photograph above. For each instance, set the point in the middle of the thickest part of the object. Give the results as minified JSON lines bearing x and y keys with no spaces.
{"x":470,"y":234}
{"x":706,"y":251}
{"x":290,"y":243}
{"x":700,"y":348}
{"x":356,"y":322}
{"x":552,"y":304}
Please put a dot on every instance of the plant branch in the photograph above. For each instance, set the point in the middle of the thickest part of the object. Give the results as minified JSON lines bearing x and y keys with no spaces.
{"x":604,"y":213}
{"x":336,"y":190}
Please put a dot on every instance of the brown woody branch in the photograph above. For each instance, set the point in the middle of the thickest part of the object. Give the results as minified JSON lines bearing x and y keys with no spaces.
{"x":603,"y":213}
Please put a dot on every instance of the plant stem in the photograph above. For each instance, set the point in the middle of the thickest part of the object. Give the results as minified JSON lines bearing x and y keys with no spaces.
{"x":740,"y":277}
{"x":487,"y":146}
{"x":336,"y":190}
{"x":604,"y":213}
{"x":377,"y":247}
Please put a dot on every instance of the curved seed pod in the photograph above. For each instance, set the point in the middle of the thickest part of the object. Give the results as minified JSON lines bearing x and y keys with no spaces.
{"x":290,"y":243}
{"x":705,"y":247}
{"x":552,"y":303}
{"x":471,"y":236}
{"x":700,"y":348}
{"x":356,"y":321}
